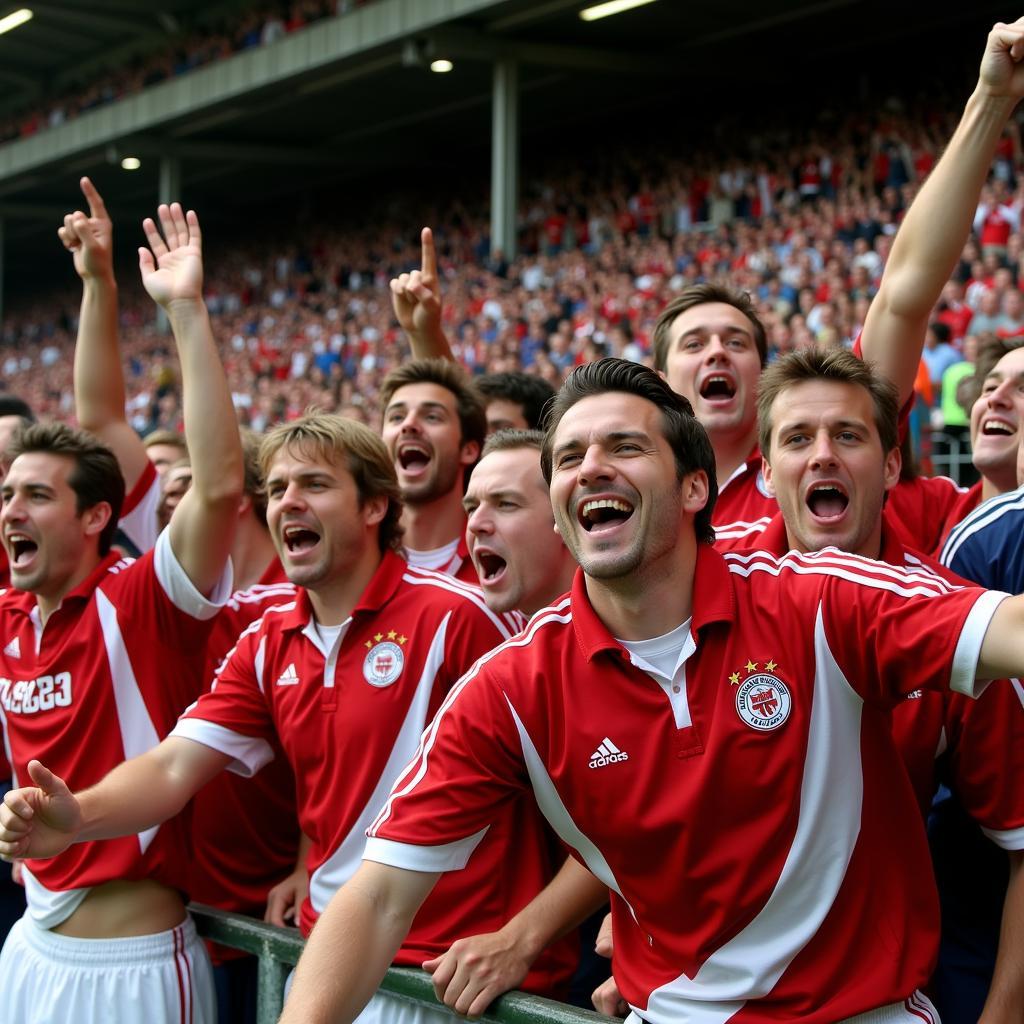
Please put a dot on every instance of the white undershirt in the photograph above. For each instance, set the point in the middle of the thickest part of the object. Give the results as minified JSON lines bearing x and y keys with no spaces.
{"x":663,"y":658}
{"x":437,"y":558}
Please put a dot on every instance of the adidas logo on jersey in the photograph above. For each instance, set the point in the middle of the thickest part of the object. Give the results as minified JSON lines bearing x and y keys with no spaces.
{"x":607,"y":753}
{"x":288,"y":677}
{"x":13,"y":649}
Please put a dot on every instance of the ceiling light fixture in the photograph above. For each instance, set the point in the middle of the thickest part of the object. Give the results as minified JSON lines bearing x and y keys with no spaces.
{"x":14,"y":19}
{"x":441,"y":66}
{"x":131,"y":163}
{"x":606,"y":10}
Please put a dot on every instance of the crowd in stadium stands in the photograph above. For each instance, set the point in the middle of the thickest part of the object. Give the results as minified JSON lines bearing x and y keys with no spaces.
{"x":260,"y":27}
{"x":805,"y":228}
{"x":739,"y":679}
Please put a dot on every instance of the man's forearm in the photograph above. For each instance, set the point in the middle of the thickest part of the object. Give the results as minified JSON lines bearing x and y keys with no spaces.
{"x":568,"y":900}
{"x":148,"y":789}
{"x":98,"y":376}
{"x":431,"y":344}
{"x":347,"y":955}
{"x":930,"y":240}
{"x":211,"y":428}
{"x":1005,"y":1002}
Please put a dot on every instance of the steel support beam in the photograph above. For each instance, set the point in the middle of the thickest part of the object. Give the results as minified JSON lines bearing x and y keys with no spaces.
{"x":504,"y":157}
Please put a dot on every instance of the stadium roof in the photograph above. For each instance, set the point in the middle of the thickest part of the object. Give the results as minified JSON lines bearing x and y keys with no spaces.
{"x":351,"y":97}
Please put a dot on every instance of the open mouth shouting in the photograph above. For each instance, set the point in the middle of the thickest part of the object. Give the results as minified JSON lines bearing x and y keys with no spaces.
{"x":718,"y":388}
{"x":827,"y":501}
{"x":413,"y":457}
{"x":299,"y":539}
{"x":491,"y":567}
{"x":22,"y":548}
{"x":601,"y":515}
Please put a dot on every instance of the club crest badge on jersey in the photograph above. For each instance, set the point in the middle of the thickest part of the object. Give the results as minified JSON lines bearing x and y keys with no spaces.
{"x":383,"y":663}
{"x":763,"y":700}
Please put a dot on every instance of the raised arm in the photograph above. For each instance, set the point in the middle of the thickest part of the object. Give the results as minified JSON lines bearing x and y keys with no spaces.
{"x":931,"y":237}
{"x":203,"y":525}
{"x":98,"y":376}
{"x":416,"y":300}
{"x":354,"y":942}
{"x":45,"y":819}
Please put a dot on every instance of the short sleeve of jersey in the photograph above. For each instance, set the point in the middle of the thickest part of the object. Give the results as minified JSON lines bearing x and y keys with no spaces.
{"x":233,"y":717}
{"x":159,"y":606}
{"x":138,"y":519}
{"x":470,"y":760}
{"x":895,"y":630}
{"x":986,"y":759}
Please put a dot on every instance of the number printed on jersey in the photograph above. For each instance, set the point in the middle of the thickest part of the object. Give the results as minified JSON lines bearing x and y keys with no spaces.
{"x":30,"y":696}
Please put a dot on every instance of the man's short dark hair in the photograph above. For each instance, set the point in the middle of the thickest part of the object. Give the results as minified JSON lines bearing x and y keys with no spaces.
{"x":700,"y":295}
{"x":96,"y":476}
{"x":446,"y":374}
{"x":525,"y":389}
{"x":688,"y":439}
{"x":12,"y":405}
{"x":834,"y":364}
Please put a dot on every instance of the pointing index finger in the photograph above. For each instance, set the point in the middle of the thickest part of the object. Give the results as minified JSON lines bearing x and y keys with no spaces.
{"x":428,"y":257}
{"x":97,"y":208}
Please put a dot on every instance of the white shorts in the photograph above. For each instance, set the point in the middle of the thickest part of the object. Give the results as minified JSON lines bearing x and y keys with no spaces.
{"x":916,"y":1009}
{"x":47,"y":978}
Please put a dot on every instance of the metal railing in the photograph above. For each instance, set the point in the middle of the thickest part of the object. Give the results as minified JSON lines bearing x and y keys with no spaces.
{"x":955,"y":461}
{"x":278,"y":950}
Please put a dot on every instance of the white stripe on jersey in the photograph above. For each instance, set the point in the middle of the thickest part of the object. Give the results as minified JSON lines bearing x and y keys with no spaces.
{"x":251,"y":628}
{"x":418,"y":765}
{"x":741,"y":528}
{"x":138,"y":734}
{"x":751,"y":963}
{"x":260,"y":592}
{"x":985,"y":514}
{"x":426,"y":577}
{"x":832,"y":562}
{"x":339,"y":867}
{"x":514,"y":620}
{"x":558,"y":816}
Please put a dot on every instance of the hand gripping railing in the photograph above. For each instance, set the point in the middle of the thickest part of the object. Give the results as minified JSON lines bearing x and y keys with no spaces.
{"x":278,"y":950}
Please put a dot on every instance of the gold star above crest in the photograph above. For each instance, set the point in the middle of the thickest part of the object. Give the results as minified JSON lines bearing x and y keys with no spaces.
{"x":751,"y":666}
{"x":735,"y":679}
{"x":369,"y":644}
{"x":392,"y":634}
{"x":378,"y":637}
{"x":402,"y":639}
{"x":770,"y":666}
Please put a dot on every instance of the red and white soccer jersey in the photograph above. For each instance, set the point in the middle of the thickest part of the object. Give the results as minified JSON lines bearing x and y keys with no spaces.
{"x":138,"y":520}
{"x":350,"y":716}
{"x":762,"y":845}
{"x":236,"y":858}
{"x":982,"y":740}
{"x":744,"y":506}
{"x":104,"y":681}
